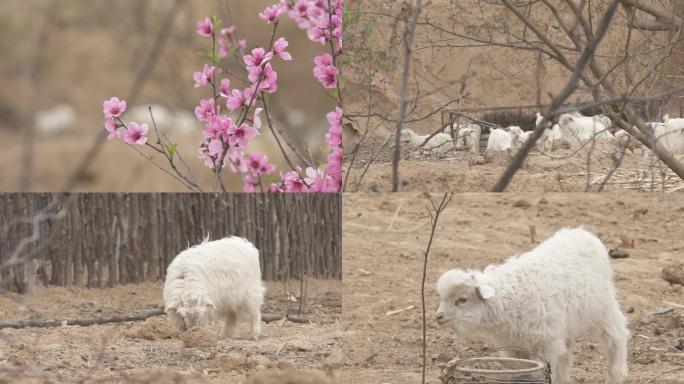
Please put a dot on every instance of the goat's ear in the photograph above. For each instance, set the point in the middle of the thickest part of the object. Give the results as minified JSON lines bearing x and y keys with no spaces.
{"x":485,"y":292}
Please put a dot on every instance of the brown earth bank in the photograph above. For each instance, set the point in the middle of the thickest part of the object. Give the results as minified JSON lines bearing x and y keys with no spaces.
{"x":563,"y":170}
{"x":151,"y":351}
{"x":384,"y":242}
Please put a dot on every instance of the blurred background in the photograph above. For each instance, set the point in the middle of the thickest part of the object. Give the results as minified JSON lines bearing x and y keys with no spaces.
{"x":62,"y":58}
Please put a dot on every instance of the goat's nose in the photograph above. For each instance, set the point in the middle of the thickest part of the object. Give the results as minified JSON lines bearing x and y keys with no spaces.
{"x":439,"y":316}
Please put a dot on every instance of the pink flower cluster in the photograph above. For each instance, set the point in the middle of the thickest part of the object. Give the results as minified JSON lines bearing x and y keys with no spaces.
{"x":131,"y":133}
{"x":232,"y":116}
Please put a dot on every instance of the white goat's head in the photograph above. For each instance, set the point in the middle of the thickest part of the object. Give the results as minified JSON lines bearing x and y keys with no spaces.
{"x":195,"y":311}
{"x":463,"y":299}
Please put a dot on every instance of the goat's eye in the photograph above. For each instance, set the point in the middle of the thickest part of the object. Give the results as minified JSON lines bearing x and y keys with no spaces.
{"x":460,"y":301}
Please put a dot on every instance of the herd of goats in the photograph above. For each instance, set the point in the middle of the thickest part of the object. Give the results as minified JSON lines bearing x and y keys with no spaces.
{"x":571,"y":130}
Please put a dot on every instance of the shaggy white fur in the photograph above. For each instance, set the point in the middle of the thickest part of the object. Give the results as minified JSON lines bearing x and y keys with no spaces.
{"x":580,"y":129}
{"x":548,"y":137}
{"x":215,"y":280}
{"x":468,"y":136}
{"x":671,"y":134}
{"x":542,"y":301}
{"x":440,"y":142}
{"x":499,"y":140}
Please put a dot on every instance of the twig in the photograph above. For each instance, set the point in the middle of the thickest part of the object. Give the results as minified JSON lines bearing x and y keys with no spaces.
{"x":408,"y":46}
{"x":434,"y":217}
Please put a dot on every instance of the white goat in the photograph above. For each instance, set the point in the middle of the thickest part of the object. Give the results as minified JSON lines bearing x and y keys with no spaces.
{"x":671,"y":134}
{"x":440,"y":142}
{"x":548,"y":137}
{"x":542,"y":301}
{"x":215,"y":280}
{"x":468,"y":136}
{"x":580,"y":129}
{"x":499,"y":140}
{"x":55,"y":121}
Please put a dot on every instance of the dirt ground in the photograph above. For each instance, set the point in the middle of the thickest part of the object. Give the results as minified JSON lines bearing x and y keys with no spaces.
{"x":385,"y":238}
{"x":152,"y":351}
{"x":563,"y":170}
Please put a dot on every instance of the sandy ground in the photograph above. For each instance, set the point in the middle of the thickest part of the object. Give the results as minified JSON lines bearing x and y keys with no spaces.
{"x":152,"y":350}
{"x":563,"y":170}
{"x":385,"y":238}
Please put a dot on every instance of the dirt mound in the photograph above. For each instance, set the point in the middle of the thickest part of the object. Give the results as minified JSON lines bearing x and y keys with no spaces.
{"x":154,"y":328}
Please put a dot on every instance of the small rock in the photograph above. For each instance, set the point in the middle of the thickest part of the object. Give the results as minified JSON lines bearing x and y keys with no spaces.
{"x":674,"y":274}
{"x":286,"y":365}
{"x":680,"y":346}
{"x":618,"y":253}
{"x":543,"y":201}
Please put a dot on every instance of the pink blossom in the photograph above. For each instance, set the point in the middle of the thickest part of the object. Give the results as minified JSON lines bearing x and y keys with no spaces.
{"x":224,"y":89}
{"x":223,"y":47}
{"x":323,"y":60}
{"x":318,"y":181}
{"x":258,"y":57}
{"x":274,"y":188}
{"x":279,"y":49}
{"x":205,"y":110}
{"x":136,"y":134}
{"x":327,"y":76}
{"x":229,"y":31}
{"x":218,"y":126}
{"x":204,"y":156}
{"x":236,"y":100}
{"x":257,"y":119}
{"x":250,"y":184}
{"x":215,"y":148}
{"x":269,"y":78}
{"x":259,"y":165}
{"x":293,"y":182}
{"x":205,"y":27}
{"x":114,"y":108}
{"x":242,"y":135}
{"x":205,"y":77}
{"x":236,"y":157}
{"x":334,"y":136}
{"x":317,"y":34}
{"x":271,"y":14}
{"x":112,"y":127}
{"x":299,"y":13}
{"x":334,"y":166}
{"x":242,"y":44}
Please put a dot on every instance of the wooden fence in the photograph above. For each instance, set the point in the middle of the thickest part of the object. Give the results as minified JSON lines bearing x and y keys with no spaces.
{"x":105,"y":239}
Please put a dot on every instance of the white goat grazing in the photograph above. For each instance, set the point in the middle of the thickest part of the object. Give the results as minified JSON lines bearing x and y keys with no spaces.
{"x":499,"y":140}
{"x":542,"y":301}
{"x":547,"y":138}
{"x":468,"y":136}
{"x":671,"y":134}
{"x":581,"y":129}
{"x":55,"y":121}
{"x":440,"y":142}
{"x":540,"y":117}
{"x":215,"y":280}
